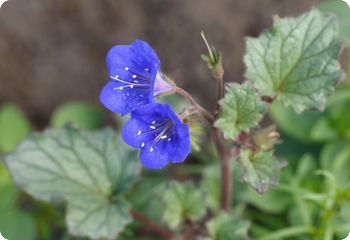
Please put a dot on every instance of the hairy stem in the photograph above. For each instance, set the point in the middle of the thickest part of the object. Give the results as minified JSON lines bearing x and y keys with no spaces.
{"x":226,"y":176}
{"x":202,"y":110}
{"x":224,"y":154}
{"x":151,"y":226}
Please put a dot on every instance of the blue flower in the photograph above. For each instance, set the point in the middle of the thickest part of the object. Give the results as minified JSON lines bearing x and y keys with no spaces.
{"x":159,"y":133}
{"x":135,"y":77}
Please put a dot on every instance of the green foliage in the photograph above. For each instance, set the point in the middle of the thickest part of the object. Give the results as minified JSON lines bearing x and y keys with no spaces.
{"x":296,"y":60}
{"x":261,"y":169}
{"x":342,"y":11}
{"x":81,"y":114}
{"x":241,"y":109}
{"x":13,"y":127}
{"x":90,"y":171}
{"x":228,"y":227}
{"x":182,"y":201}
{"x":298,"y":126}
{"x":11,"y":217}
{"x":335,"y":158}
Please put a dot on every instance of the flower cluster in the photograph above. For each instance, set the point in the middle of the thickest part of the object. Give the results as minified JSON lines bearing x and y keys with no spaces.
{"x":154,"y":128}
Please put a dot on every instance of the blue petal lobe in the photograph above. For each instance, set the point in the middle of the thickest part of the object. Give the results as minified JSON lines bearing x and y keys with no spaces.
{"x":123,"y":100}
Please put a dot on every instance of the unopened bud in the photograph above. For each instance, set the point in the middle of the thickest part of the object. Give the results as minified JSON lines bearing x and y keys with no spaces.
{"x":266,"y":138}
{"x":213,"y":59}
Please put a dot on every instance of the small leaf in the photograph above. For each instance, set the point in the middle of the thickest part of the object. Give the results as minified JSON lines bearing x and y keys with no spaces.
{"x":13,"y":127}
{"x":90,"y":171}
{"x":296,"y":60}
{"x":228,"y":227}
{"x":81,"y":114}
{"x":261,"y":169}
{"x":241,"y":109}
{"x":182,"y":201}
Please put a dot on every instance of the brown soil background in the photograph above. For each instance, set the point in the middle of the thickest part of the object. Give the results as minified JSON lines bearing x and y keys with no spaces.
{"x":52,"y":51}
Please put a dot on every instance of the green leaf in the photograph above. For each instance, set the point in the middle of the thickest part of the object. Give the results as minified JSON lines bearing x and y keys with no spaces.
{"x":297,"y":126}
{"x":342,"y":11}
{"x":210,"y":184}
{"x":81,"y":114}
{"x":261,"y":169}
{"x":147,"y":195}
{"x":241,"y":109}
{"x":274,"y":201}
{"x":90,"y":171}
{"x":227,"y":227}
{"x":296,"y":60}
{"x":323,"y":131}
{"x":13,"y":127}
{"x":335,"y":158}
{"x":11,"y":216}
{"x":182,"y":201}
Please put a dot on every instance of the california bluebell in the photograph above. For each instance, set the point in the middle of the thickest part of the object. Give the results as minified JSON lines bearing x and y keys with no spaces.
{"x":135,"y":77}
{"x":160,"y":135}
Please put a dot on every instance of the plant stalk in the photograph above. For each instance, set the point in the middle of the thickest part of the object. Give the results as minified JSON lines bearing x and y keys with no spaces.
{"x":151,"y":226}
{"x":224,"y":153}
{"x":203,"y":111}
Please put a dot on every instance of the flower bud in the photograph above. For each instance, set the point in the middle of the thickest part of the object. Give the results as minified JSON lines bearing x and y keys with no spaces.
{"x":266,"y":138}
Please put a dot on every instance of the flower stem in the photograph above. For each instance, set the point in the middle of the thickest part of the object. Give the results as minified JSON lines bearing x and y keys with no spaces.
{"x":203,"y":111}
{"x":224,"y":154}
{"x":226,"y":176}
{"x":151,"y":226}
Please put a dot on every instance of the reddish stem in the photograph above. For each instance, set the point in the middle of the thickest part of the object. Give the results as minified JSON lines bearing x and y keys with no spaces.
{"x":151,"y":226}
{"x":202,"y":110}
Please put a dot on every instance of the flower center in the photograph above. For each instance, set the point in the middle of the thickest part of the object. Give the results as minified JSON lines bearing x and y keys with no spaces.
{"x":136,"y":80}
{"x":162,"y":132}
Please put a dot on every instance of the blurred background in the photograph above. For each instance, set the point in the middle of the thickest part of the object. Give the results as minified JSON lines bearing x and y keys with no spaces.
{"x":52,"y":68}
{"x":54,"y":51}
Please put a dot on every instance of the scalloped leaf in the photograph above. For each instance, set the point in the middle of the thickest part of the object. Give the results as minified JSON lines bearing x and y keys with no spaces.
{"x":90,"y":171}
{"x":296,"y":60}
{"x":182,"y":201}
{"x":227,"y":226}
{"x":241,"y":109}
{"x":262,"y":169}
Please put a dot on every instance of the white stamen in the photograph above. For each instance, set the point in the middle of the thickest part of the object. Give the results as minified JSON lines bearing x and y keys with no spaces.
{"x":116,"y":76}
{"x":151,"y":150}
{"x":142,"y":144}
{"x":169,"y":139}
{"x":120,"y":88}
{"x":153,"y":127}
{"x":126,"y":69}
{"x":135,"y":81}
{"x":163,"y":137}
{"x":139,"y":133}
{"x":146,"y":69}
{"x":134,"y":76}
{"x":153,"y":122}
{"x":131,"y":86}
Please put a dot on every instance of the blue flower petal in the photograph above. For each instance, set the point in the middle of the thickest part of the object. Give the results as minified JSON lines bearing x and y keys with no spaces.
{"x":133,"y":70}
{"x":159,"y":133}
{"x":117,"y":98}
